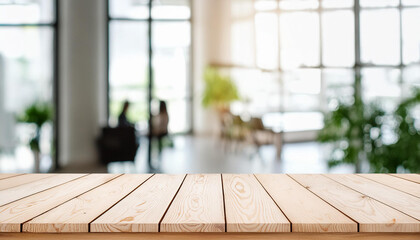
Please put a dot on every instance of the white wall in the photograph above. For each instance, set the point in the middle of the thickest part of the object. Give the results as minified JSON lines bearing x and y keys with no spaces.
{"x":211,"y":44}
{"x":82,"y":87}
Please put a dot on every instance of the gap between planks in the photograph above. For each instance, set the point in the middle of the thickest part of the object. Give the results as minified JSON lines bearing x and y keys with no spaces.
{"x":398,"y":200}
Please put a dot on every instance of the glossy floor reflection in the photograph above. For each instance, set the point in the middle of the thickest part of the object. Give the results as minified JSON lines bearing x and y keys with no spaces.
{"x":207,"y":155}
{"x":192,"y":154}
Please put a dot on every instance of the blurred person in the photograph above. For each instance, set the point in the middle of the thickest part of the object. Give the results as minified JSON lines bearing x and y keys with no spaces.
{"x":122,"y":118}
{"x":160,"y":124}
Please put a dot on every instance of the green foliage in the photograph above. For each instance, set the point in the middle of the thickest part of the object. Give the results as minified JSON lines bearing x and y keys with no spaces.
{"x":357,"y":133}
{"x":219,"y":90}
{"x":38,"y":114}
{"x":405,"y":151}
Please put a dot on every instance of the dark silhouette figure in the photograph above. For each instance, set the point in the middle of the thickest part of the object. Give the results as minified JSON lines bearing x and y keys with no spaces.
{"x":160,"y":124}
{"x":122,"y":119}
{"x":120,"y":143}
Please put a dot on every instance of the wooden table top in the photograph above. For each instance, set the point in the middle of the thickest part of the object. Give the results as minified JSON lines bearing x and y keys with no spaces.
{"x":67,"y":203}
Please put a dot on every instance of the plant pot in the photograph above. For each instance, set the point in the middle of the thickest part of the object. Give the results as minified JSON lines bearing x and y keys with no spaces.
{"x":37,"y":161}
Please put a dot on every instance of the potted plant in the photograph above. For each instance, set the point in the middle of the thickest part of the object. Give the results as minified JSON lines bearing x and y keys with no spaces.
{"x":219,"y":90}
{"x":37,"y":113}
{"x":356,"y":132}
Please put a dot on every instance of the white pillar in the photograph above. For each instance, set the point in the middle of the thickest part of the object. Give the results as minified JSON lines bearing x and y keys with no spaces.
{"x":82,"y":79}
{"x":211,"y":44}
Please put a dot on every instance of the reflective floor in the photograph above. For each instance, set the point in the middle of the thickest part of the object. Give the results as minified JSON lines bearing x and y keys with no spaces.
{"x":207,"y":155}
{"x":191,"y":154}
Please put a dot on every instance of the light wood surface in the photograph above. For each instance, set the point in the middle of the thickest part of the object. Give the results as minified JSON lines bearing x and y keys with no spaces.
{"x":372,"y":215}
{"x":22,"y":179}
{"x":191,"y":206}
{"x":399,"y":200}
{"x":9,"y":175}
{"x":198,"y":206}
{"x":306,"y":211}
{"x":143,"y":209}
{"x":410,"y":177}
{"x":14,"y":214}
{"x":210,"y":236}
{"x":249,"y":208}
{"x":397,"y":183}
{"x":18,"y":192}
{"x":76,"y":214}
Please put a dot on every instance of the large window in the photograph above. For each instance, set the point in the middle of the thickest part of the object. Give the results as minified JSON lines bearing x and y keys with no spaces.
{"x":129,"y":59}
{"x":27,"y":74}
{"x":311,"y":51}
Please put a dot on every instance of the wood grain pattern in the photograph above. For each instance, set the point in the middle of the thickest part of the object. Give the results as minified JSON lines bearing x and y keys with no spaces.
{"x":249,"y":208}
{"x":9,"y":175}
{"x":22,"y":179}
{"x":18,"y":192}
{"x":397,"y":183}
{"x":410,"y":177}
{"x":76,"y":214}
{"x":198,"y":206}
{"x":372,"y":215}
{"x":210,"y":236}
{"x":306,"y":211}
{"x":14,"y":214}
{"x":142,"y":210}
{"x":401,"y":201}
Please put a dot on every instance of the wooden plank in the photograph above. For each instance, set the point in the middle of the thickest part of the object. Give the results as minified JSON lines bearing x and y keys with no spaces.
{"x":14,"y":214}
{"x":198,"y":206}
{"x":18,"y":192}
{"x":249,"y":208}
{"x":306,"y":211}
{"x":9,"y":175}
{"x":142,"y":210}
{"x":397,"y":183}
{"x":401,"y":201}
{"x":22,"y":179}
{"x":372,"y":215}
{"x":210,"y":236}
{"x":76,"y":214}
{"x":410,"y":177}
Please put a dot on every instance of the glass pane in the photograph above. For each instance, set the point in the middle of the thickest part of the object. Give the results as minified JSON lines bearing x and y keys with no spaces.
{"x":302,"y":88}
{"x":179,"y":112}
{"x":338,"y":39}
{"x":299,"y":39}
{"x":411,"y":35}
{"x":171,"y":59}
{"x":26,"y":11}
{"x":265,"y":5}
{"x":381,"y":3}
{"x":26,"y":77}
{"x":260,"y":92}
{"x":242,"y":44}
{"x":411,"y":2}
{"x":242,"y":8}
{"x":411,"y":79}
{"x":267,"y":40}
{"x":381,"y":85}
{"x":136,"y":9}
{"x":337,"y":3}
{"x":171,"y":9}
{"x":128,"y":69}
{"x":339,"y":84}
{"x":380,"y":41}
{"x":298,"y":4}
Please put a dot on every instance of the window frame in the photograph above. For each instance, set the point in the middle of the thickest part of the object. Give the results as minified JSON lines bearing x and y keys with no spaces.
{"x":358,"y":64}
{"x":54,"y":25}
{"x":150,"y":81}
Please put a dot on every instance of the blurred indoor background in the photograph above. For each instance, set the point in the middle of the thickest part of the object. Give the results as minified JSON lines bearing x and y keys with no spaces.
{"x":250,"y":86}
